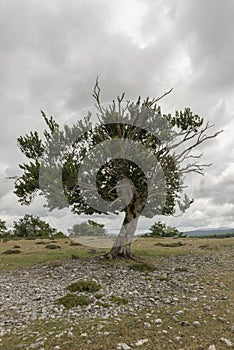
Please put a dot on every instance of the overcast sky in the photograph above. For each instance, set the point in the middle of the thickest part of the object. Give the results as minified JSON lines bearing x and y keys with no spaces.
{"x":52,"y":51}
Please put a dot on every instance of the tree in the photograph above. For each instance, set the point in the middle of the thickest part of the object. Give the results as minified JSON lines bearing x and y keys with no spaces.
{"x":31,"y":226}
{"x":88,"y":228}
{"x":160,"y":229}
{"x":132,"y":160}
{"x":3,"y":228}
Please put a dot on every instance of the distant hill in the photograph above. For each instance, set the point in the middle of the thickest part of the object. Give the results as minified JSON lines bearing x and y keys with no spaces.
{"x":209,"y":232}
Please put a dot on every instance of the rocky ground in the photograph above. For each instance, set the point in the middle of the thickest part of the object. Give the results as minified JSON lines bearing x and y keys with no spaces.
{"x":177,"y":285}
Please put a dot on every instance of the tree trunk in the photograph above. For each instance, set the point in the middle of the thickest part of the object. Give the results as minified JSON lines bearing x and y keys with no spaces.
{"x":122,"y":244}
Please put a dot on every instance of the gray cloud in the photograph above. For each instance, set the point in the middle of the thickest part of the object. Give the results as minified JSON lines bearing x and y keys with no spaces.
{"x":51,"y":53}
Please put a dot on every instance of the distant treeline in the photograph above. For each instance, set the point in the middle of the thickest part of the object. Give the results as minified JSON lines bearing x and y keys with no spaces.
{"x":220,"y":235}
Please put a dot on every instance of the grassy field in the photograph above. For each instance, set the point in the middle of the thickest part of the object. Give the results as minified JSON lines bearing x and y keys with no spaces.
{"x":216,"y":318}
{"x":35,"y":251}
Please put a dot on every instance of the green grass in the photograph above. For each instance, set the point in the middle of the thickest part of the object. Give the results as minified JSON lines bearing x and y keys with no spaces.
{"x":31,"y":259}
{"x":119,"y":300}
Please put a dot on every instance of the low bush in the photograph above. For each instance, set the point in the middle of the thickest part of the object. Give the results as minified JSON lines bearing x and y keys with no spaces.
{"x":72,"y":300}
{"x":143,"y":267}
{"x":12,"y":251}
{"x":169,"y":245}
{"x":84,"y":286}
{"x":73,"y":244}
{"x":53,"y":246}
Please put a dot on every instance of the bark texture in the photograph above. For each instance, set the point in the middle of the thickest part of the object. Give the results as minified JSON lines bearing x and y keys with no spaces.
{"x":122,"y":245}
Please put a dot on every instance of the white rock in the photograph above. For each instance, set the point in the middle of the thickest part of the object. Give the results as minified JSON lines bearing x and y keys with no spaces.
{"x":194,"y":299}
{"x":158,"y":320}
{"x":123,"y":346}
{"x":212,"y":347}
{"x":141,"y":342}
{"x":147,"y":325}
{"x":226,"y":341}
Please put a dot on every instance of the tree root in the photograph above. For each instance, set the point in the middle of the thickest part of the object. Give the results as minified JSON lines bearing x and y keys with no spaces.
{"x":121,"y":256}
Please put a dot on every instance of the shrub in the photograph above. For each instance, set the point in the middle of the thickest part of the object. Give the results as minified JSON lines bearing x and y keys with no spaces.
{"x":53,"y":246}
{"x":142,"y":267}
{"x":72,"y":300}
{"x":75,"y":243}
{"x":11,"y":251}
{"x":42,"y":242}
{"x":160,"y":229}
{"x":84,"y":286}
{"x":99,"y":296}
{"x":170,"y":245}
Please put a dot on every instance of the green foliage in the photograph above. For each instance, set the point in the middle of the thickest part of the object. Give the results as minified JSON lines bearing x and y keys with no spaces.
{"x":4,"y":232}
{"x":90,"y":228}
{"x":60,"y":153}
{"x":3,"y":227}
{"x":59,"y":234}
{"x":143,"y":267}
{"x":99,"y":296}
{"x":119,"y":300}
{"x":72,"y":300}
{"x":160,"y":229}
{"x":32,"y":227}
{"x":57,"y":142}
{"x":84,"y":286}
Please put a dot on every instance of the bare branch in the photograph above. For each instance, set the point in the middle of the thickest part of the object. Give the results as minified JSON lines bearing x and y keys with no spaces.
{"x":160,"y":97}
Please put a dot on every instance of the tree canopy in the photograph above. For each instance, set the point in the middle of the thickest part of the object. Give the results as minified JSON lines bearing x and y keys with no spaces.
{"x":132,"y":160}
{"x":3,"y":228}
{"x":160,"y":229}
{"x":32,"y":226}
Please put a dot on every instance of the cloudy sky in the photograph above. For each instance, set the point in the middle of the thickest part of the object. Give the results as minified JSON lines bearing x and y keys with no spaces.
{"x":52,"y":51}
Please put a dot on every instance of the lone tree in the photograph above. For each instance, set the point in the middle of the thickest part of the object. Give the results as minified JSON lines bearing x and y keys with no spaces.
{"x":32,"y":226}
{"x":160,"y":229}
{"x":133,"y":159}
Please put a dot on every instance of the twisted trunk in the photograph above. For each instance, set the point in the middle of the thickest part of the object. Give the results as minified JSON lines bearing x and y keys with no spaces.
{"x":122,"y":244}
